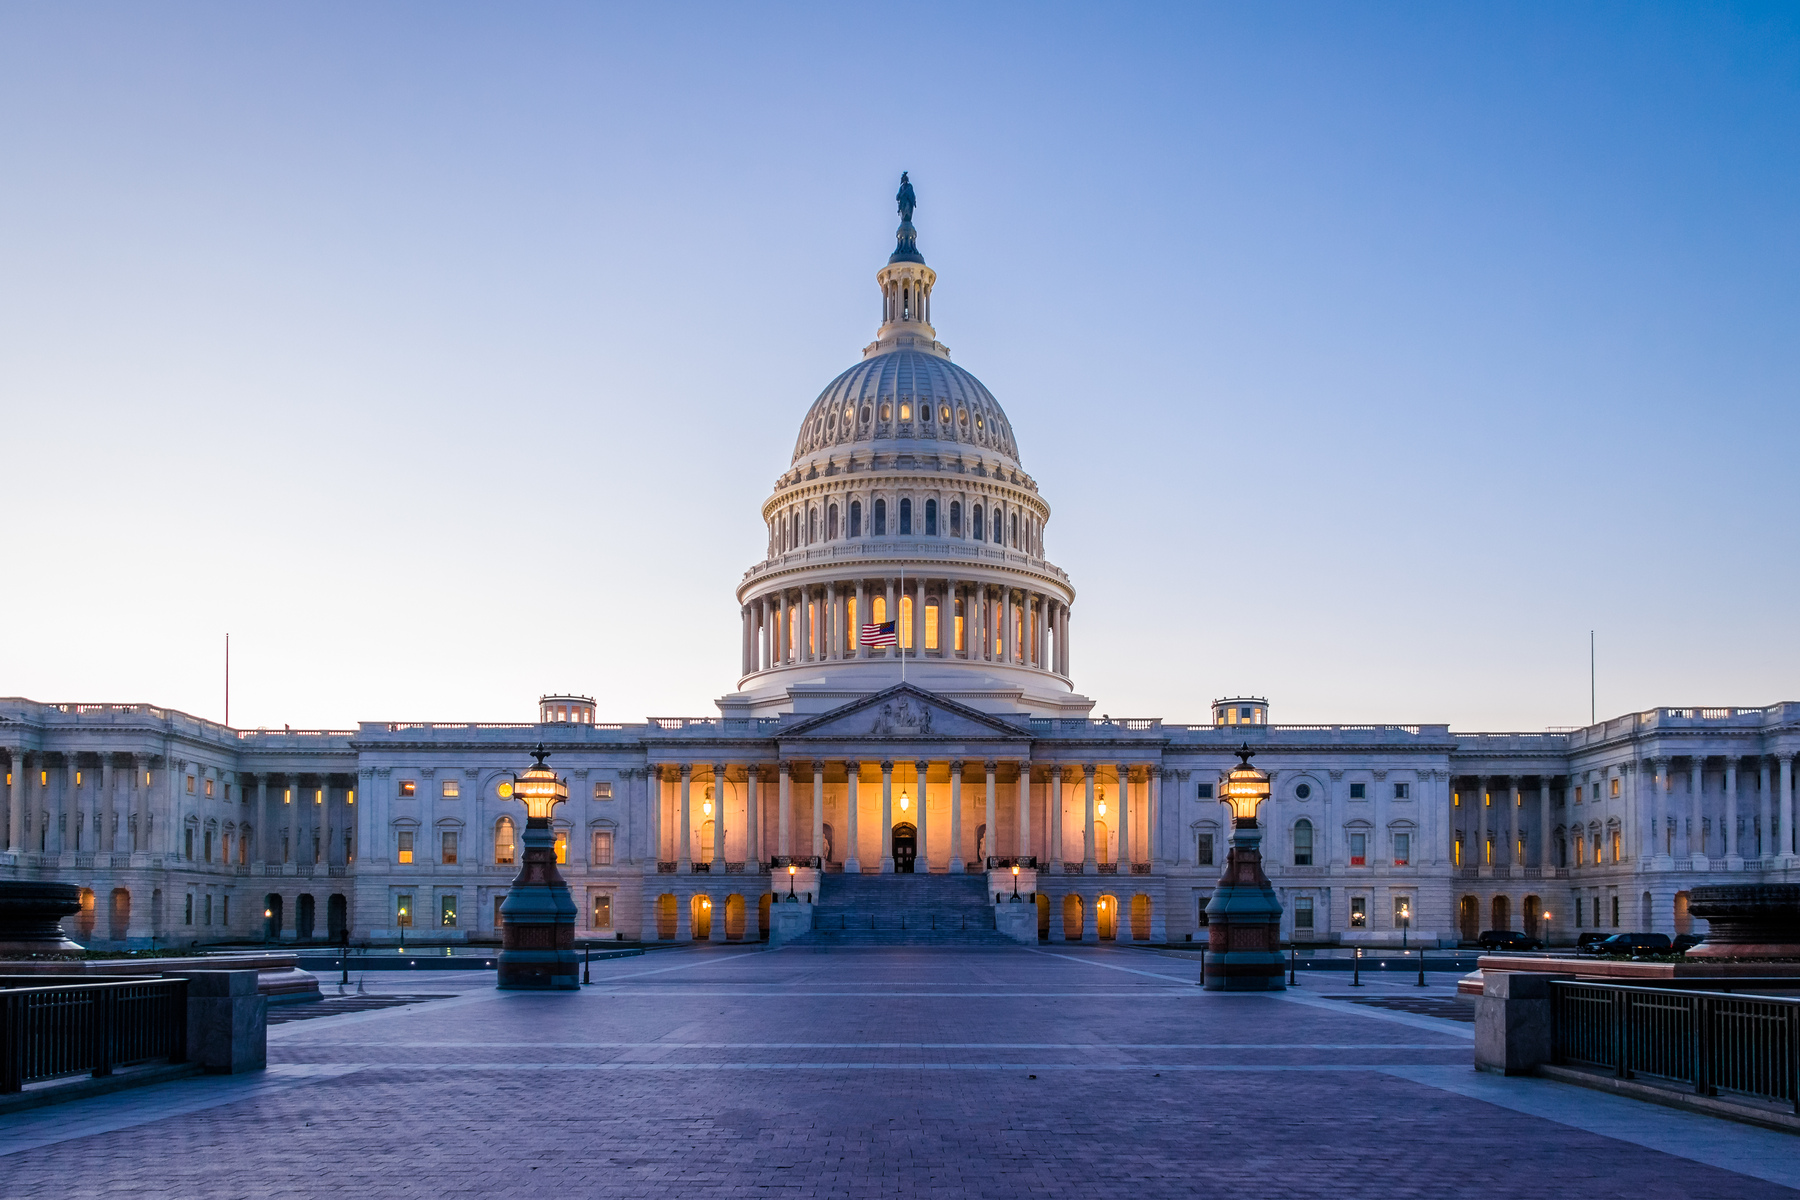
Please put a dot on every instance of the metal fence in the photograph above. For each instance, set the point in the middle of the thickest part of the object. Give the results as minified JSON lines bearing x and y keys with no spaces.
{"x":72,"y":1025}
{"x":1711,"y":1042}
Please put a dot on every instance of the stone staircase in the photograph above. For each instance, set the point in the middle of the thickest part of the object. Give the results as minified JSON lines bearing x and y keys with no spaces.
{"x":903,"y":910}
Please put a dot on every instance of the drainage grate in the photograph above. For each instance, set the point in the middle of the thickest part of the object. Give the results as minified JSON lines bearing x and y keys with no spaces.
{"x":1450,"y":1010}
{"x":332,"y":1006}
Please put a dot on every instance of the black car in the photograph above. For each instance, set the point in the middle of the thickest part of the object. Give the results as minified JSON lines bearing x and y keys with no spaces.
{"x":1586,"y":943}
{"x":1634,"y":944}
{"x":1685,"y":942}
{"x":1508,"y":939}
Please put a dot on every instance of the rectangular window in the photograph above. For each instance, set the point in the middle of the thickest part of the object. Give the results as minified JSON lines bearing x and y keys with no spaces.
{"x":1400,"y":791}
{"x":189,"y":849}
{"x":1359,"y":912}
{"x":602,"y":912}
{"x":1615,"y":789}
{"x":1578,"y":912}
{"x":906,"y":622}
{"x":409,"y":787}
{"x":447,"y":911}
{"x":190,"y":785}
{"x":603,"y":791}
{"x":1402,"y":912}
{"x":562,"y":845}
{"x":1456,"y":850}
{"x":1204,"y":856}
{"x":1359,"y":791}
{"x":207,"y":920}
{"x":499,"y":917}
{"x":1402,"y":849}
{"x":451,"y":789}
{"x":406,"y":847}
{"x":1206,"y":791}
{"x":1303,"y":912}
{"x":603,"y":843}
{"x":1615,"y":912}
{"x":449,"y":838}
{"x":209,"y":787}
{"x":225,"y":913}
{"x":931,"y":627}
{"x":1359,"y":849}
{"x":1578,"y":795}
{"x":189,"y":918}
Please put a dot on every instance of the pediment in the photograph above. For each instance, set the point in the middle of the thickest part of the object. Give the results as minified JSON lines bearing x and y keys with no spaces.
{"x":904,"y":711}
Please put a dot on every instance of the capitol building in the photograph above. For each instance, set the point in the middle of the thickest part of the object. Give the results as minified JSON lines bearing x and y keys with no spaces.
{"x":877,"y":780}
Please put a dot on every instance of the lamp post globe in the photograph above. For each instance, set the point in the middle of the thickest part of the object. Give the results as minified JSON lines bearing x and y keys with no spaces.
{"x":537,"y":949}
{"x":1244,"y":915}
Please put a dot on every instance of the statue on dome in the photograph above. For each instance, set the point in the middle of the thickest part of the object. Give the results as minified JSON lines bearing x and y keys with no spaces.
{"x":906,"y":199}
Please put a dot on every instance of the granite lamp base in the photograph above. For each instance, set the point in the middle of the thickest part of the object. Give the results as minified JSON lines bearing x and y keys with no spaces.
{"x":537,"y":941}
{"x":1244,"y":922}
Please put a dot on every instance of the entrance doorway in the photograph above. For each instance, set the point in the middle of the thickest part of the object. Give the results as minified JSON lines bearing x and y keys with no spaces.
{"x":906,"y":847}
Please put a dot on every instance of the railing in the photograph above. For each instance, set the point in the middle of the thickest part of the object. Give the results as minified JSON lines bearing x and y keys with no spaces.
{"x":71,"y":1026}
{"x":1027,"y":861}
{"x":1710,"y":1042}
{"x":782,"y":862}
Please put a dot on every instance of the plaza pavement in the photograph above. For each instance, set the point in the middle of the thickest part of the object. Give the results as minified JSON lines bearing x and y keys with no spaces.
{"x":714,"y":1071}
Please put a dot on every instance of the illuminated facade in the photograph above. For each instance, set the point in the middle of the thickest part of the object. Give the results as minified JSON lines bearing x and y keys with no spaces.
{"x":905,"y":500}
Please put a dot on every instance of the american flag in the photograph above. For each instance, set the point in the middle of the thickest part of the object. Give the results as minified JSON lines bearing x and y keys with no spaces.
{"x":881,"y":635}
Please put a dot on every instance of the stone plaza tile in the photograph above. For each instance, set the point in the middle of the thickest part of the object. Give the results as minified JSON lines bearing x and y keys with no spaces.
{"x":876,"y":1073}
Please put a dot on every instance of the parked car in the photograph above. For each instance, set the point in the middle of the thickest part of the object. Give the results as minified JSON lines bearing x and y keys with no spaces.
{"x":1508,"y":939}
{"x":1634,"y":944}
{"x":1685,"y":942}
{"x":1586,"y":943}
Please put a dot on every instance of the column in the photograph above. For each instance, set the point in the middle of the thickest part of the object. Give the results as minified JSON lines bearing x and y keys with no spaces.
{"x":1054,"y":818}
{"x":1087,"y":822}
{"x":1696,"y":819}
{"x":1659,"y":821}
{"x":1481,"y":833}
{"x":957,"y":865}
{"x":852,"y":856}
{"x":803,"y":629}
{"x":834,"y":625}
{"x":1546,"y":854}
{"x":1062,"y":637}
{"x":1733,"y":844}
{"x":264,"y":820}
{"x":718,"y":846}
{"x":1765,"y":809}
{"x":923,"y":865}
{"x":744,"y":667}
{"x":887,"y":816}
{"x":684,"y":832}
{"x":862,"y":617}
{"x":918,"y":641}
{"x":1515,"y":834}
{"x":892,"y":613}
{"x":1009,"y":628}
{"x":818,"y":810}
{"x":15,"y":816}
{"x":765,"y":635}
{"x":752,"y":820}
{"x":1123,"y":859}
{"x":653,"y":818}
{"x":1024,"y":807}
{"x":990,"y":837}
{"x":1156,"y":835}
{"x":107,"y":842}
{"x":1785,"y":843}
{"x":784,"y":838}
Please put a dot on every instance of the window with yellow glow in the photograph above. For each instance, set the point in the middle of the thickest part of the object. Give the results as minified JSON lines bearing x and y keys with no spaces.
{"x":349,"y":796}
{"x":209,"y":787}
{"x":1456,"y":850}
{"x":906,"y":622}
{"x":451,"y":789}
{"x":879,"y":608}
{"x":287,"y":795}
{"x":850,"y":626}
{"x":1615,"y":845}
{"x":406,"y":846}
{"x":931,"y":627}
{"x":562,"y":845}
{"x":447,"y":911}
{"x":959,"y":633}
{"x":190,"y":785}
{"x":504,"y":846}
{"x":78,"y":781}
{"x":403,"y":909}
{"x":1615,"y":788}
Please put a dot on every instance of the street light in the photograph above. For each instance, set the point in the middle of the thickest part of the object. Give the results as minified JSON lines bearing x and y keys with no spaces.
{"x":405,"y":920}
{"x":537,"y":949}
{"x":1547,"y":915}
{"x":792,"y":870}
{"x":1405,"y":924}
{"x":1244,"y":915}
{"x":268,"y":916}
{"x":1015,"y":898}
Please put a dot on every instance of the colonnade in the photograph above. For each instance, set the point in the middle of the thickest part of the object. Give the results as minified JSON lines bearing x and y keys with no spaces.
{"x":949,"y":618}
{"x":1676,"y":822}
{"x":822,"y":809}
{"x":88,"y":802}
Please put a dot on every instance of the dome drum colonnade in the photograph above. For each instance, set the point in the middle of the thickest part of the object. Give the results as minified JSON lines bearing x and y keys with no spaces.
{"x":1093,"y":836}
{"x":864,"y":528}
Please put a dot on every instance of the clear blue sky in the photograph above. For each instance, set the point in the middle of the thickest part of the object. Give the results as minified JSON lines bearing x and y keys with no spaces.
{"x":443,"y":353}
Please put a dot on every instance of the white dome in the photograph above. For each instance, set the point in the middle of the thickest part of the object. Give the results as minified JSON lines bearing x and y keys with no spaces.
{"x":906,"y":395}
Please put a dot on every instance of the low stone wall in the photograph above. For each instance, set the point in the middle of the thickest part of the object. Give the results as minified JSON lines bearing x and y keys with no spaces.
{"x":279,"y":979}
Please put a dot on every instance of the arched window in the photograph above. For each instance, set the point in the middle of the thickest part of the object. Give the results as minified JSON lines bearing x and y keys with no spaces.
{"x":831,"y":523}
{"x":955,"y":519}
{"x":812,"y":525}
{"x":503,"y":841}
{"x":1303,"y":843}
{"x":881,"y":518}
{"x":931,"y":518}
{"x":999,"y":529}
{"x":1015,"y":531}
{"x":905,"y":517}
{"x":856,"y":518}
{"x":980,"y":528}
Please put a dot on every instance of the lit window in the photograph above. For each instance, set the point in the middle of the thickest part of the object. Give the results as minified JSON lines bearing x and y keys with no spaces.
{"x":887,"y":412}
{"x":190,"y":785}
{"x":409,"y":787}
{"x":906,"y":412}
{"x":1303,"y":912}
{"x":1402,"y":849}
{"x":603,"y":791}
{"x":602,"y":918}
{"x":1615,"y":846}
{"x":447,"y":911}
{"x":406,"y":845}
{"x":1402,"y":912}
{"x":504,"y":847}
{"x":1359,"y":849}
{"x":1359,"y":912}
{"x":449,"y":840}
{"x":1359,"y":791}
{"x":451,"y":790}
{"x":931,"y":627}
{"x":209,"y":787}
{"x":403,"y":908}
{"x":562,"y":845}
{"x":603,"y":847}
{"x":1615,"y":788}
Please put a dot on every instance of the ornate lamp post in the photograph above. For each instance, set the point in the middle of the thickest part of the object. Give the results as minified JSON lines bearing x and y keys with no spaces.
{"x":537,"y":948}
{"x":1244,"y":917}
{"x":1405,"y":924}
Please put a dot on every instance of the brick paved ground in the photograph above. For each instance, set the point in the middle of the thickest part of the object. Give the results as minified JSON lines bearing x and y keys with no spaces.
{"x":878,"y":1073}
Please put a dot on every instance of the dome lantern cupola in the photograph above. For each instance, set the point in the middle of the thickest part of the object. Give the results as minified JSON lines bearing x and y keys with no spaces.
{"x":906,"y":284}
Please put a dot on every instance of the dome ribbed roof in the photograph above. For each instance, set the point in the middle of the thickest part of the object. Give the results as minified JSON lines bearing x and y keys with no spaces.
{"x":963,"y":412}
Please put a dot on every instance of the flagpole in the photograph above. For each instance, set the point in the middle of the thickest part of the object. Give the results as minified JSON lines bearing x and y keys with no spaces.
{"x":899,"y":644}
